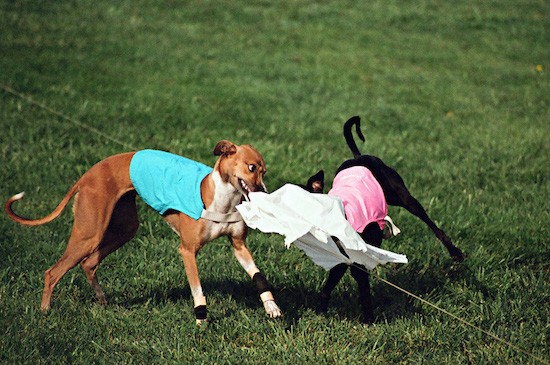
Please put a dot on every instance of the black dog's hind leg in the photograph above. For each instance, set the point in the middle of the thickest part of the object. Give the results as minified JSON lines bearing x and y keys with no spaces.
{"x":397,"y":194}
{"x":334,"y":276}
{"x":413,"y":206}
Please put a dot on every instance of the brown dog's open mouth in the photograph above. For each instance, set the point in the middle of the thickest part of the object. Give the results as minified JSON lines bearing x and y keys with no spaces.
{"x":244,"y":188}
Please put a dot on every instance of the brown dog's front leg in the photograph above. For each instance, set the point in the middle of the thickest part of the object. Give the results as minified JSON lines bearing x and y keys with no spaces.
{"x":247,"y":262}
{"x":190,"y":262}
{"x":264,"y":289}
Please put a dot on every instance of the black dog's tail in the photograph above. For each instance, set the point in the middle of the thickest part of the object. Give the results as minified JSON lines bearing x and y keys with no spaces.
{"x":349,"y":136}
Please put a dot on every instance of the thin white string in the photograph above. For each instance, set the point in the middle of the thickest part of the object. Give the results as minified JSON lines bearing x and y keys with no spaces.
{"x":61,"y":115}
{"x":454,"y":316}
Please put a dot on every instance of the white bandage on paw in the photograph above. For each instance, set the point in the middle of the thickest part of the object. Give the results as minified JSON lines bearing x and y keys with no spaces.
{"x":271,"y":308}
{"x":266,"y":295}
{"x":199,"y":300}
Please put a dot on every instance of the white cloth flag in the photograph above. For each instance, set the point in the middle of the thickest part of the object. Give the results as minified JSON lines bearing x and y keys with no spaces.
{"x":309,"y":221}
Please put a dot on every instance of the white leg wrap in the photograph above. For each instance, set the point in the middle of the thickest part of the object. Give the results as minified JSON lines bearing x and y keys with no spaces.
{"x":200,"y":300}
{"x":266,"y":295}
{"x":271,"y":308}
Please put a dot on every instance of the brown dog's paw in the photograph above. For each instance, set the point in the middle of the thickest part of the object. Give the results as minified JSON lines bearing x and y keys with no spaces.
{"x":202,"y":324}
{"x":45,"y":309}
{"x":272,"y":309}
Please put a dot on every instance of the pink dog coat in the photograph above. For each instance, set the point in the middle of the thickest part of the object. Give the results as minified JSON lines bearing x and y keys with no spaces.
{"x":362,"y":196}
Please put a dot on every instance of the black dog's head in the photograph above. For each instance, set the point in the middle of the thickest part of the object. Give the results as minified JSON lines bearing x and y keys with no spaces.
{"x":316,"y":183}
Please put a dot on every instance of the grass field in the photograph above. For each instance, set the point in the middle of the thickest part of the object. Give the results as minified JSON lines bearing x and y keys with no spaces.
{"x":453,"y":94}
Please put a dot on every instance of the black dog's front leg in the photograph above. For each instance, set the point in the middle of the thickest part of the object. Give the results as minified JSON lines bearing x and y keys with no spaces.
{"x":361,"y":275}
{"x":334,"y":276}
{"x":373,"y":235}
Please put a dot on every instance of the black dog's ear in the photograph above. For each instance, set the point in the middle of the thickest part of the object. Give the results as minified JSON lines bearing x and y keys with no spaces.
{"x":225,"y":147}
{"x":316,"y":183}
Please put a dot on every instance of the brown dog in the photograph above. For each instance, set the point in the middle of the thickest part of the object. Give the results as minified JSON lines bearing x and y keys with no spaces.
{"x":105,"y":217}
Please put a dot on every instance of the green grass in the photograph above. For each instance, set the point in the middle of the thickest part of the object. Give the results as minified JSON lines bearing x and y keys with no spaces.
{"x":454,"y":95}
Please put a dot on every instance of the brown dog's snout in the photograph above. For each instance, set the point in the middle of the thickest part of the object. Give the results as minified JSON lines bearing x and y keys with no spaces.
{"x":261,"y":188}
{"x":259,"y":184}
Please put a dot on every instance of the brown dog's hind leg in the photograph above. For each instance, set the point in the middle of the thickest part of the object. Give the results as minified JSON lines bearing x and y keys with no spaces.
{"x":90,"y":222}
{"x":122,"y":228}
{"x":70,"y":259}
{"x":53,"y":275}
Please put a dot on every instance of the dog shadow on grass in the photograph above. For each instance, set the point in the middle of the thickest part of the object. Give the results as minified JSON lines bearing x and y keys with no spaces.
{"x":390,"y":304}
{"x":299,"y":300}
{"x":241,"y":291}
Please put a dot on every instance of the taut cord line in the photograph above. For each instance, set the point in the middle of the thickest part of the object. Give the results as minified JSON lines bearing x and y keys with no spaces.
{"x":454,"y":316}
{"x":61,"y":115}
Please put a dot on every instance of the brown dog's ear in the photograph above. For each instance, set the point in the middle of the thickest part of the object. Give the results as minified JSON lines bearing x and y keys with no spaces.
{"x":225,"y":147}
{"x":316,"y":183}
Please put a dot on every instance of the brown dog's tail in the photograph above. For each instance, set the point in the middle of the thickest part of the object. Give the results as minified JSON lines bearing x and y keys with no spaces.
{"x":349,"y":136}
{"x":36,"y":222}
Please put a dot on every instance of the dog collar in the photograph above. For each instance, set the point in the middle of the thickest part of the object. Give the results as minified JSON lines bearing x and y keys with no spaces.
{"x":221,"y":217}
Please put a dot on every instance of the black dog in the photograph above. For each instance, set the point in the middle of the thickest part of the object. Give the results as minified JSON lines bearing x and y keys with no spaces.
{"x":397,"y":194}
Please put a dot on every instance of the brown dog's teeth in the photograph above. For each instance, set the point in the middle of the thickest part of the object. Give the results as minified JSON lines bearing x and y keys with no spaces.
{"x":245,"y":187}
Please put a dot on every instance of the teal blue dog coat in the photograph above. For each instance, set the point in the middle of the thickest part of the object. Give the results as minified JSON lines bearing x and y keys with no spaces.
{"x":168,"y":181}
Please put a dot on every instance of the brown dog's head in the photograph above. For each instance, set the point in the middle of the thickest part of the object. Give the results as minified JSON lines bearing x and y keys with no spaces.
{"x":241,"y":166}
{"x":316,"y":183}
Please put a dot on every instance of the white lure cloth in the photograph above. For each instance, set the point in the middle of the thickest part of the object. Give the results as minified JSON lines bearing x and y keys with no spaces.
{"x":309,"y":221}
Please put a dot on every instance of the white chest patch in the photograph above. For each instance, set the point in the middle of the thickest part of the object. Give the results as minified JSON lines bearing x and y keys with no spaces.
{"x":226,"y":197}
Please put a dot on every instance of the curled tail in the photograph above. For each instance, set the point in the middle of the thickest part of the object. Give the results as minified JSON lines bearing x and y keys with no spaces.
{"x":36,"y":222}
{"x":349,"y":136}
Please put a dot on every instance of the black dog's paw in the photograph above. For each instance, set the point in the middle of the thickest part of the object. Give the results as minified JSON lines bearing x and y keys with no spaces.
{"x":456,"y":254}
{"x":322,"y":306}
{"x":367,"y":318}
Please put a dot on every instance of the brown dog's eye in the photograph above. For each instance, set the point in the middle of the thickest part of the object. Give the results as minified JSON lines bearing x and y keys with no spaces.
{"x":252,"y":168}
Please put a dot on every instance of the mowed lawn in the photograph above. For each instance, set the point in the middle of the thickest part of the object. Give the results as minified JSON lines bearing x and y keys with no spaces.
{"x":454,"y":94}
